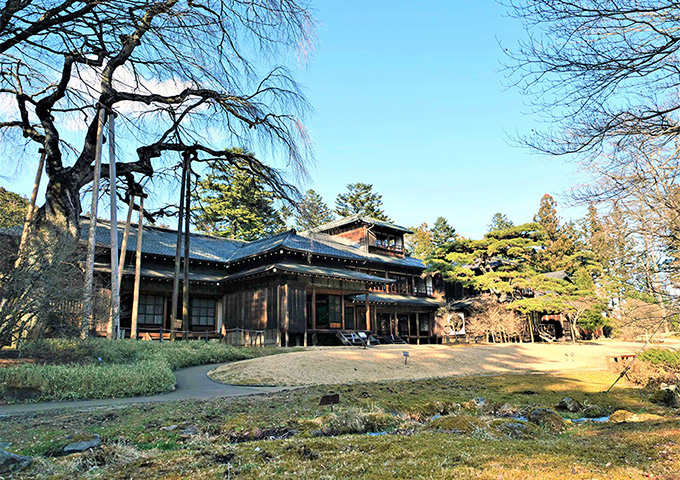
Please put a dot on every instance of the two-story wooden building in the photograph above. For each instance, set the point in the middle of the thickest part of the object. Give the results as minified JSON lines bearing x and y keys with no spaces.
{"x":350,"y":275}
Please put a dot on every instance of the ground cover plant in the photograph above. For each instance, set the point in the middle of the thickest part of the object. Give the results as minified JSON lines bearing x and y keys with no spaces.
{"x":463,"y":427}
{"x":98,"y":368}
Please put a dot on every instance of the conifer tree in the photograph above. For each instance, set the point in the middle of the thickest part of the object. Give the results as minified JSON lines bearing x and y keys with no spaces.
{"x":235,"y":204}
{"x":312,"y":212}
{"x":442,"y":233}
{"x":360,"y":199}
{"x":500,"y":221}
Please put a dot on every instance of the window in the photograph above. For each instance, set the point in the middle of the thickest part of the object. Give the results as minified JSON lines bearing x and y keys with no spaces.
{"x":328,"y":310}
{"x":203,"y":312}
{"x":150,"y":309}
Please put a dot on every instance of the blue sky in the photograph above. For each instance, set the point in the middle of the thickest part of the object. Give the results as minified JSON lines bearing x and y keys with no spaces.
{"x":408,"y":96}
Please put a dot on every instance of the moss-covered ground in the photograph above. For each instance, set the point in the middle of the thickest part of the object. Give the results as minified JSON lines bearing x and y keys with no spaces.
{"x":421,"y":429}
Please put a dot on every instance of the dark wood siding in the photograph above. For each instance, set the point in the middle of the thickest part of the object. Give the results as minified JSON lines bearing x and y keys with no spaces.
{"x":297,"y":298}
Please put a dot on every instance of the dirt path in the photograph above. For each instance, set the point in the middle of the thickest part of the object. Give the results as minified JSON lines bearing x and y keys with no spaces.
{"x":331,"y":365}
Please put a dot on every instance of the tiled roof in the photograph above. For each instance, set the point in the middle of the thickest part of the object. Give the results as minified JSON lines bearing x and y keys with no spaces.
{"x":161,"y":241}
{"x":395,"y":299}
{"x":359,"y":218}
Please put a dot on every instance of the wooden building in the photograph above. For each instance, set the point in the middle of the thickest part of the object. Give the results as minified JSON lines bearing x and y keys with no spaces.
{"x":351,"y":275}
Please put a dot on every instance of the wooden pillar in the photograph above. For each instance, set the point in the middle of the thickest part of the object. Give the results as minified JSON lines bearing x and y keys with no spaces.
{"x":313,"y":309}
{"x":126,"y":235}
{"x":187,"y":250}
{"x":178,"y":252}
{"x":396,"y":322}
{"x":368,"y":313}
{"x":86,"y":316}
{"x":115,"y":287}
{"x":28,"y":223}
{"x":138,"y":271}
{"x":342,"y":306}
{"x":413,"y":285}
{"x":417,"y":328}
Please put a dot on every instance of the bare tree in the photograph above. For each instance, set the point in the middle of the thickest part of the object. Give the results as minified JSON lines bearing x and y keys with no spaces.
{"x":601,"y":73}
{"x":181,"y":75}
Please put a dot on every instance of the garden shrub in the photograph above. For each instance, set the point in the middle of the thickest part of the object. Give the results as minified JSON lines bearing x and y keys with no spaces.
{"x":69,"y":369}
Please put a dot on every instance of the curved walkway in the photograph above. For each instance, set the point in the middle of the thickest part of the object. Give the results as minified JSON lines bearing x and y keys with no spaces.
{"x":191,"y":383}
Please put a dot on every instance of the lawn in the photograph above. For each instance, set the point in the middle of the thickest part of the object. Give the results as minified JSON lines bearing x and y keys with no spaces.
{"x":288,"y":435}
{"x":100,"y":368}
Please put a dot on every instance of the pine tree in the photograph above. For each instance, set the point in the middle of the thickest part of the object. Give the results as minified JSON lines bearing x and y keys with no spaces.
{"x":500,"y":221}
{"x":312,"y":212}
{"x":233,"y":203}
{"x":360,"y":199}
{"x":442,"y":233}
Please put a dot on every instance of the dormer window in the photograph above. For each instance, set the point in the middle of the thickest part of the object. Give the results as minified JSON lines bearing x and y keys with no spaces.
{"x":389,"y":242}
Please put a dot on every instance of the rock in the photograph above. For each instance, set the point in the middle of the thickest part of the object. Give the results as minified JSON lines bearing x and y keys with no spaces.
{"x":316,"y":433}
{"x":257,"y":434}
{"x":11,"y":462}
{"x":594,"y":411}
{"x":190,"y":431}
{"x":170,"y":428}
{"x":507,"y":410}
{"x":483,"y":405}
{"x":547,"y":418}
{"x":84,"y":442}
{"x":514,"y":429}
{"x":435,"y":417}
{"x":667,"y":395}
{"x":568,"y":404}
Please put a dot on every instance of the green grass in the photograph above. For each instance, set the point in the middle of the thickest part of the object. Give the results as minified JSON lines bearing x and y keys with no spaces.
{"x":418,"y":448}
{"x":100,"y":368}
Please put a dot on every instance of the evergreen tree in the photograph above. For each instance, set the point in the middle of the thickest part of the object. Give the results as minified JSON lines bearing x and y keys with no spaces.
{"x":232,"y":202}
{"x":442,"y":233}
{"x":560,"y":251}
{"x":12,"y":209}
{"x":500,"y":221}
{"x":419,"y":243}
{"x":312,"y":212}
{"x":360,"y":199}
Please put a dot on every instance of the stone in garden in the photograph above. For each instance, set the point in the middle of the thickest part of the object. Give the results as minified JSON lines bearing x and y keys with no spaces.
{"x":170,"y":428}
{"x":258,"y":434}
{"x":594,"y":411}
{"x":85,"y":442}
{"x":507,"y":410}
{"x":517,"y":430}
{"x":568,"y":404}
{"x":190,"y":431}
{"x":547,"y":418}
{"x":667,"y":395}
{"x":11,"y":462}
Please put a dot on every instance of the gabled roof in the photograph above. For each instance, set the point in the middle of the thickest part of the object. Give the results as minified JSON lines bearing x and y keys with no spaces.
{"x":358,"y":218}
{"x":559,"y":275}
